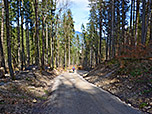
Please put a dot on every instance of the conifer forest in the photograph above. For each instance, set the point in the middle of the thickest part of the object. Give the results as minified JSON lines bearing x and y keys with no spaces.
{"x":41,"y":35}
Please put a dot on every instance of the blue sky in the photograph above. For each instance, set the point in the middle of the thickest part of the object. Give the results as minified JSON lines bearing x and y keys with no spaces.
{"x":80,"y":11}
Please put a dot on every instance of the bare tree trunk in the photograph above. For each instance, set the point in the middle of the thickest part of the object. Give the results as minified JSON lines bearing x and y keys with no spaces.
{"x":43,"y":43}
{"x":36,"y":34}
{"x":150,"y":39}
{"x":112,"y":31}
{"x":123,"y":23}
{"x":43,"y":34}
{"x":69,"y":51}
{"x":27,"y":44}
{"x":52,"y":49}
{"x":65,"y":57}
{"x":8,"y":39}
{"x":131,"y":31}
{"x":58,"y":52}
{"x":46,"y":44}
{"x":2,"y":60}
{"x":91,"y":57}
{"x":147,"y":22}
{"x":136,"y":23}
{"x":107,"y":48}
{"x":22,"y":34}
{"x":133,"y":24}
{"x":143,"y":40}
{"x":118,"y":29}
{"x":18,"y":35}
{"x":100,"y":31}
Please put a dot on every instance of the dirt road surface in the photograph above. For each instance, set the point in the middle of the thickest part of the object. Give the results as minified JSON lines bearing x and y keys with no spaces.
{"x":71,"y":94}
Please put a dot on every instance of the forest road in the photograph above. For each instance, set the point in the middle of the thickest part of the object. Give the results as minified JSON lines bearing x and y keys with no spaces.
{"x":73,"y":95}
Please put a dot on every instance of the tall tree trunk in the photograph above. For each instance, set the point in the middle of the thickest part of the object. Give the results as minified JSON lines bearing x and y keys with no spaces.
{"x":109,"y":35}
{"x":2,"y":60}
{"x":22,"y":34}
{"x":69,"y":47}
{"x":52,"y":49}
{"x":32,"y":44}
{"x":18,"y":35}
{"x":36,"y":34}
{"x":65,"y":57}
{"x":118,"y":29}
{"x":112,"y":30}
{"x":143,"y":40}
{"x":131,"y":31}
{"x":147,"y":22}
{"x":43,"y":43}
{"x":27,"y":44}
{"x":107,"y":48}
{"x":137,"y":21}
{"x":43,"y":34}
{"x":123,"y":23}
{"x":91,"y":57}
{"x":6,"y":4}
{"x":47,"y":43}
{"x":150,"y":38}
{"x":133,"y":23}
{"x":100,"y":31}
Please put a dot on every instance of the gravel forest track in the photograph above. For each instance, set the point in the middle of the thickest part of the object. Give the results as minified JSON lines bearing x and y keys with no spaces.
{"x":71,"y":94}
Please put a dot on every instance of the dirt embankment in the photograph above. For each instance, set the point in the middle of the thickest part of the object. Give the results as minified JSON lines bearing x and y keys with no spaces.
{"x":29,"y":89}
{"x":132,"y":83}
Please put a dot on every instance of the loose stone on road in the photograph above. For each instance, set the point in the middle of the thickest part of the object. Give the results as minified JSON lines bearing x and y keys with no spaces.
{"x":71,"y":94}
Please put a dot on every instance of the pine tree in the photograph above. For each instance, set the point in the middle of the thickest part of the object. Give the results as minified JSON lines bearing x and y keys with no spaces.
{"x":6,"y":4}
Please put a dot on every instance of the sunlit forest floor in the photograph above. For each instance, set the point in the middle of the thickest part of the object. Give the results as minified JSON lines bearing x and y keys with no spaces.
{"x":29,"y":89}
{"x":131,"y":81}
